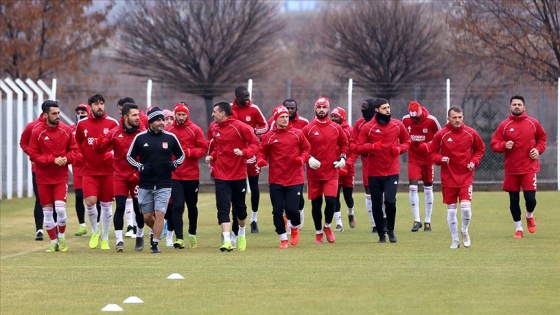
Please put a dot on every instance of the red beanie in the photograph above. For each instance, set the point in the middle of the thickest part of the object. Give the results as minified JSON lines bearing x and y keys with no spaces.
{"x":180,"y":107}
{"x":340,"y":112}
{"x":414,"y":109}
{"x":322,"y":101}
{"x":279,"y":110}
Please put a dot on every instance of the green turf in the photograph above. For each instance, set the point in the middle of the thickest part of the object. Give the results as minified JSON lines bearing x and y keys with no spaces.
{"x":419,"y":274}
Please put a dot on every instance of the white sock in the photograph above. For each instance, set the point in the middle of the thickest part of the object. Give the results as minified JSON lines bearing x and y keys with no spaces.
{"x":452,"y":221}
{"x":466,"y":215}
{"x":118,"y":235}
{"x":414,"y":200}
{"x":368,"y":208}
{"x":254,"y":216}
{"x":92,"y":216}
{"x":338,"y":218}
{"x":518,"y":226}
{"x":429,"y":202}
{"x":241,"y":231}
{"x":350,"y":211}
{"x":48,"y":219}
{"x":283,"y":237}
{"x":169,"y":235}
{"x":129,"y":212}
{"x":529,"y":215}
{"x":226,"y":236}
{"x":106,"y":216}
{"x":319,"y":232}
{"x":60,"y":208}
{"x":301,"y":218}
{"x":327,"y":225}
{"x":83,"y":224}
{"x":383,"y":208}
{"x":140,"y":232}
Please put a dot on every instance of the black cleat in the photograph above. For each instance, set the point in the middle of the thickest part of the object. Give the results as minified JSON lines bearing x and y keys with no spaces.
{"x":427,"y":227}
{"x":382,"y":239}
{"x":254,"y":227}
{"x":120,"y":247}
{"x":392,"y":236}
{"x":374,"y":229}
{"x":416,"y":225}
{"x":139,"y":244}
{"x":154,"y":249}
{"x":39,"y":235}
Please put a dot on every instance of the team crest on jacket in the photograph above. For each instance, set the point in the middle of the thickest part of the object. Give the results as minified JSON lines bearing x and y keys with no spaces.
{"x":164,"y":145}
{"x":105,"y":131}
{"x":425,"y":130}
{"x":248,"y":118}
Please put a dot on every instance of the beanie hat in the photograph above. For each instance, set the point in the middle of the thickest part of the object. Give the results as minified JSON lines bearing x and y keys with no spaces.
{"x":340,"y":112}
{"x":167,"y":113}
{"x":82,"y":106}
{"x":279,"y":110}
{"x":322,"y":101}
{"x":414,"y":109}
{"x":180,"y":107}
{"x":154,"y":113}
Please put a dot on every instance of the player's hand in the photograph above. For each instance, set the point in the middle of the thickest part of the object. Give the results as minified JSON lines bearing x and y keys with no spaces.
{"x":423,"y":147}
{"x":299,"y":160}
{"x":470,"y":166}
{"x":209,"y":159}
{"x":314,"y":163}
{"x":445,"y":159}
{"x":376,"y":146}
{"x":237,"y":152}
{"x":108,"y":157}
{"x":262,"y":163}
{"x":396,"y":150}
{"x":534,"y":154}
{"x":340,"y":163}
{"x":509,"y":145}
{"x":145,"y":169}
{"x":343,"y":171}
{"x":171,"y":165}
{"x":134,"y":177}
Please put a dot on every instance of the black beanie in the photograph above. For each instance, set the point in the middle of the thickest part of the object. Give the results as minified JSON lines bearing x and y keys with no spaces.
{"x":370,"y":111}
{"x":154,"y":114}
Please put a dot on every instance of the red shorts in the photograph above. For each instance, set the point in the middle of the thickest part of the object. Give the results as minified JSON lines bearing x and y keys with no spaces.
{"x":78,"y":181}
{"x":124,"y":187}
{"x":318,"y":188}
{"x":346,"y":181}
{"x":364,"y":172}
{"x":527,"y":182}
{"x":253,"y":169}
{"x":100,"y":186}
{"x":451,"y":194}
{"x":425,"y":173}
{"x":49,"y":193}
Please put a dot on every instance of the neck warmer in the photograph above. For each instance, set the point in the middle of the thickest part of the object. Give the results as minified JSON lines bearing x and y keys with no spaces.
{"x":382,"y":119}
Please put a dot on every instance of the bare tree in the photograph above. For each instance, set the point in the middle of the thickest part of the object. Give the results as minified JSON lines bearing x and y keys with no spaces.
{"x":383,"y":45}
{"x":41,"y":38}
{"x":519,"y":36}
{"x":203,"y":48}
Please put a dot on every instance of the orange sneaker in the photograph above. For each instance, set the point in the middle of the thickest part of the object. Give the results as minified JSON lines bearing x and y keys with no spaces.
{"x":518,"y":234}
{"x":330,"y":235}
{"x":284,"y":244}
{"x":531,"y":225}
{"x":319,"y":238}
{"x":295,"y":237}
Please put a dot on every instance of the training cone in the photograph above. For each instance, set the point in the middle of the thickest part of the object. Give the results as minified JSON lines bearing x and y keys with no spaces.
{"x":133,"y":300}
{"x":112,"y":308}
{"x":175,"y":276}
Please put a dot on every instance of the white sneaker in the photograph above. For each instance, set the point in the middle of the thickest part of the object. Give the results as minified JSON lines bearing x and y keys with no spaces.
{"x":129,"y":233}
{"x":466,"y":239}
{"x":233,"y":241}
{"x":168,"y":242}
{"x":454,"y":244}
{"x":339,"y":228}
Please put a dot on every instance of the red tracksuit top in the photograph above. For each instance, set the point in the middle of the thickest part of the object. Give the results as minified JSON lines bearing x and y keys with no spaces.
{"x":421,"y":132}
{"x":352,"y":155}
{"x":461,"y":145}
{"x":194,"y":144}
{"x":392,"y":134}
{"x":119,"y":141}
{"x":526,"y":133}
{"x":86,"y":132}
{"x":252,"y":116}
{"x":48,"y":143}
{"x":281,"y":147}
{"x":328,"y":141}
{"x":26,"y":136}
{"x":228,"y":135}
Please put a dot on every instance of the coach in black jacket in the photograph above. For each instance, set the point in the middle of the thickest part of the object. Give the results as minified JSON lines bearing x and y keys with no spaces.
{"x":154,"y":148}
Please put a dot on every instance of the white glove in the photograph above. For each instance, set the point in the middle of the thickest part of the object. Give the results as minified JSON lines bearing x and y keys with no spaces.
{"x":340,"y":163}
{"x":314,"y":163}
{"x":445,"y":159}
{"x":470,"y":166}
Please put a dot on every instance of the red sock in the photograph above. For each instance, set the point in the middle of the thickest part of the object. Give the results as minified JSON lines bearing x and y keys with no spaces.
{"x":52,"y":234}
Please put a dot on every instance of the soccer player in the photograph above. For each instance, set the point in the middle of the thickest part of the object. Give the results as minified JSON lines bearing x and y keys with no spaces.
{"x":82,"y":112}
{"x":125,"y":177}
{"x":284,"y":150}
{"x":52,"y":148}
{"x":346,"y":175}
{"x":422,"y":127}
{"x":185,"y":180}
{"x":251,"y":115}
{"x":98,"y":169}
{"x":383,"y":139}
{"x":522,"y":139}
{"x":329,"y":147}
{"x":154,"y":149}
{"x":458,"y":149}
{"x":232,"y":143}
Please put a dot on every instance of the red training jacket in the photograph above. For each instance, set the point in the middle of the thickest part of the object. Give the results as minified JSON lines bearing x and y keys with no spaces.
{"x":421,"y":132}
{"x":194,"y":144}
{"x":95,"y":163}
{"x":252,"y":116}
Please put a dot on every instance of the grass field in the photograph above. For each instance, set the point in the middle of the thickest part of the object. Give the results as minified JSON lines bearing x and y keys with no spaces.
{"x":418,"y":275}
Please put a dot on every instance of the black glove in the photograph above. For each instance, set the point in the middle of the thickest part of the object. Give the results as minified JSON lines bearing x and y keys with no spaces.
{"x":171,"y":166}
{"x":145,"y":169}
